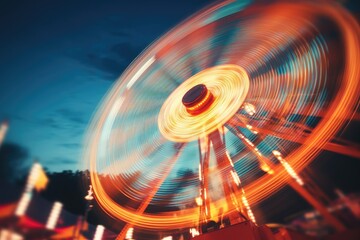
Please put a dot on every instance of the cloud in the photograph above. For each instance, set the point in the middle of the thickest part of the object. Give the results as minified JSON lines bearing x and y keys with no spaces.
{"x":71,"y":145}
{"x":72,"y":115}
{"x":111,"y":67}
{"x":113,"y":61}
{"x":62,"y":161}
{"x":49,"y":121}
{"x":64,"y":118}
{"x":125,"y":51}
{"x":125,"y":36}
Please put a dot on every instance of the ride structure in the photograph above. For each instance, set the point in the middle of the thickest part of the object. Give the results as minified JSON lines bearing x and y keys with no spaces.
{"x":222,"y":112}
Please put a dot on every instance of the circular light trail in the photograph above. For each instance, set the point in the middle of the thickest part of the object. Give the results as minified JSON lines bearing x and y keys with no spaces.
{"x":297,"y":86}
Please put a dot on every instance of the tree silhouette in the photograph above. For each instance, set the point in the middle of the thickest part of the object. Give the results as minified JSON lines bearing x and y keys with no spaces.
{"x":13,"y":164}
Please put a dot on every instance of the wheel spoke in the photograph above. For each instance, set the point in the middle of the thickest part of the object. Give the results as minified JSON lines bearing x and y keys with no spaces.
{"x":283,"y":132}
{"x":223,"y":39}
{"x":204,"y":153}
{"x":154,"y":186}
{"x":264,"y":163}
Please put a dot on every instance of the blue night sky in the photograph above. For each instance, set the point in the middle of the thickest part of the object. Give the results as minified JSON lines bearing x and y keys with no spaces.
{"x":59,"y":58}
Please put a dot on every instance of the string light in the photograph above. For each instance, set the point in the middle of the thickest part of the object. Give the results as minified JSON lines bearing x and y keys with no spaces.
{"x":54,"y":215}
{"x":194,"y":232}
{"x":99,"y":232}
{"x":23,"y":204}
{"x":288,"y":168}
{"x":167,"y":238}
{"x":248,"y":208}
{"x":129,"y":233}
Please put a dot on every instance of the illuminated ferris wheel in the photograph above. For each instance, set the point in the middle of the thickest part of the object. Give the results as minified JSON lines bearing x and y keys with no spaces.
{"x":223,"y":111}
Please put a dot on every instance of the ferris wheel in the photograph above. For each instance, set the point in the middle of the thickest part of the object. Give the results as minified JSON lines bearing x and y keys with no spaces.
{"x":223,"y":111}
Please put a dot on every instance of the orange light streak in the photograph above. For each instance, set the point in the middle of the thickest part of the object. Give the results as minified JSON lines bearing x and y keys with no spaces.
{"x":170,"y":125}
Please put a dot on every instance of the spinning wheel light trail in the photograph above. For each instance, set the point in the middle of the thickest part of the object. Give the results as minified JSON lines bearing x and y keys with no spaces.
{"x":178,"y":124}
{"x":239,"y":91}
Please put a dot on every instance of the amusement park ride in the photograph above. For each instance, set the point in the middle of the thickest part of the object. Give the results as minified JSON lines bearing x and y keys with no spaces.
{"x":246,"y":95}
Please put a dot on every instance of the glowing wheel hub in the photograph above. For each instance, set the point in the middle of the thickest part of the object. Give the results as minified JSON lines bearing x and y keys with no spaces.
{"x":197,"y":99}
{"x":203,"y":103}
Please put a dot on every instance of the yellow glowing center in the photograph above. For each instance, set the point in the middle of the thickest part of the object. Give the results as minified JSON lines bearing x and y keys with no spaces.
{"x":228,"y":85}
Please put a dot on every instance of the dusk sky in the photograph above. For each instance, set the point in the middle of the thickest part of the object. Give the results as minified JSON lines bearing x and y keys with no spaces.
{"x":59,"y":58}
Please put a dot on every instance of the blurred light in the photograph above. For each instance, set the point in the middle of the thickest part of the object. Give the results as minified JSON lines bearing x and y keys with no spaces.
{"x":251,"y":129}
{"x":167,"y":238}
{"x":229,"y":158}
{"x":306,"y":71}
{"x":311,"y":215}
{"x":288,"y":168}
{"x":194,"y":232}
{"x":36,"y":174}
{"x":54,"y":215}
{"x":249,"y":142}
{"x":199,"y":201}
{"x":235,"y":177}
{"x":276,"y":153}
{"x":266,"y":168}
{"x":23,"y":204}
{"x":223,"y":130}
{"x":6,"y":234}
{"x":3,"y":130}
{"x":89,"y":196}
{"x":129,"y":233}
{"x":141,"y":71}
{"x":257,"y":151}
{"x":248,"y":209}
{"x":99,"y":232}
{"x":249,"y":108}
